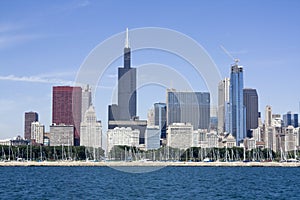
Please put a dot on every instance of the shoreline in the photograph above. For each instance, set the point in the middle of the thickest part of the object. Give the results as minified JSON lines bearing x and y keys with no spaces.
{"x":146,"y":164}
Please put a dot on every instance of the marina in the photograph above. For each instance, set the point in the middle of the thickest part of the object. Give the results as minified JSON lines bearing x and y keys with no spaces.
{"x":148,"y":163}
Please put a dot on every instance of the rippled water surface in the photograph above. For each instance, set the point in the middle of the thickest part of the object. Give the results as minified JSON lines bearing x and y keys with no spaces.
{"x":166,"y":183}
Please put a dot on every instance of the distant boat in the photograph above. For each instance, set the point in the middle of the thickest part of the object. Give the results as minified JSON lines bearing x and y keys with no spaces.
{"x":207,"y":160}
{"x":292,"y":160}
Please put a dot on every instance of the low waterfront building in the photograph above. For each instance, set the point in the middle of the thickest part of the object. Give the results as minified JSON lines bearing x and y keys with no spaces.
{"x":212,"y":140}
{"x":15,"y":141}
{"x":122,"y":136}
{"x":289,"y":140}
{"x":135,"y":123}
{"x":5,"y":142}
{"x":249,"y":143}
{"x":228,"y":141}
{"x":180,"y":135}
{"x":61,"y":135}
{"x":152,"y":137}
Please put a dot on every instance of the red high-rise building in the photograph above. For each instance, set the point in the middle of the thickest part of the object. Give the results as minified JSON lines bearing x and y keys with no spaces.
{"x":66,"y":108}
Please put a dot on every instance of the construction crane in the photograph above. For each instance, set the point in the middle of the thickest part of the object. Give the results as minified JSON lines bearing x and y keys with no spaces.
{"x":236,"y":60}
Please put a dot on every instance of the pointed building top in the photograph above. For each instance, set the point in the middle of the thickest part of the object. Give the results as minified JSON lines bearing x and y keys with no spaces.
{"x":127,"y":39}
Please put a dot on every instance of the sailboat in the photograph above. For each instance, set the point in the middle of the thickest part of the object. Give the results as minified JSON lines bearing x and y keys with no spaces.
{"x":295,"y":157}
{"x":3,"y":155}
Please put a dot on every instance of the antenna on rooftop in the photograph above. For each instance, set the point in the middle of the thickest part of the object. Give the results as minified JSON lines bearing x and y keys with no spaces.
{"x":236,"y":60}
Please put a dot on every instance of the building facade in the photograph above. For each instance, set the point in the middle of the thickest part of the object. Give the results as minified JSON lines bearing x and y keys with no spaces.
{"x":133,"y":124}
{"x":90,"y":130}
{"x":37,"y":132}
{"x":268,"y":115}
{"x":61,"y":135}
{"x":160,"y":118}
{"x":86,"y":101}
{"x":290,"y":119}
{"x":251,"y":106}
{"x":236,"y":98}
{"x":122,"y":136}
{"x":223,"y":103}
{"x":127,"y":95}
{"x":150,"y":117}
{"x":66,"y":108}
{"x":180,"y":135}
{"x":29,"y":118}
{"x":152,"y":137}
{"x":188,"y":107}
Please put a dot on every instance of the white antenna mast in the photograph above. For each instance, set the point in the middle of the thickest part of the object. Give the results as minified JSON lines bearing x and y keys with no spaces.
{"x":127,"y":39}
{"x":236,"y":60}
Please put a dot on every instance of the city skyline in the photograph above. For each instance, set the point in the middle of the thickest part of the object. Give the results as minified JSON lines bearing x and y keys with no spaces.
{"x":38,"y":52}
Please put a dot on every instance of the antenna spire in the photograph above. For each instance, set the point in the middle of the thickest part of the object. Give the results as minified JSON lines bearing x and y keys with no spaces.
{"x":236,"y":61}
{"x":127,"y":39}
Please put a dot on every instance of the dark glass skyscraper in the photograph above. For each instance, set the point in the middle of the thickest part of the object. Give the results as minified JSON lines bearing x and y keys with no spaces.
{"x":290,"y":119}
{"x":188,"y":107}
{"x":29,"y":118}
{"x":66,"y":108}
{"x":160,"y":118}
{"x":251,"y":105}
{"x":236,"y":99}
{"x":124,"y":114}
{"x":126,"y":108}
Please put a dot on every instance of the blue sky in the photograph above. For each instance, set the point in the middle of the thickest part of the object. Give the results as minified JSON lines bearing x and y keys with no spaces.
{"x":43,"y":43}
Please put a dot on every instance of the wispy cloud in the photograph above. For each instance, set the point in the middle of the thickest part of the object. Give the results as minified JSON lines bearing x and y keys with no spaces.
{"x":58,"y":74}
{"x":83,"y":3}
{"x":112,"y":76}
{"x":75,"y":5}
{"x":48,"y":80}
{"x":11,"y":40}
{"x":7,"y":27}
{"x":239,"y":52}
{"x":35,"y":79}
{"x":232,"y":54}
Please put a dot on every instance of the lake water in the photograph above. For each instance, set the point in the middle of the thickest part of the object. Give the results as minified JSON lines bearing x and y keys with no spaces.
{"x":166,"y":183}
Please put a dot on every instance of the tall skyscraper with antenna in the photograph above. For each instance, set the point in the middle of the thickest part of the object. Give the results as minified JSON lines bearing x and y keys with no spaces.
{"x":127,"y":86}
{"x":124,"y":114}
{"x":236,"y":99}
{"x":126,"y":107}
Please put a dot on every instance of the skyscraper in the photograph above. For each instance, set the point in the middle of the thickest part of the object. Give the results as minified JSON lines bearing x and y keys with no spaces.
{"x":86,"y":101}
{"x":268,"y":116}
{"x":90,"y":130}
{"x":223,"y":102}
{"x":290,"y":119}
{"x":66,"y":108}
{"x":126,"y":108}
{"x":160,"y":118}
{"x":37,"y":132}
{"x":251,"y":105}
{"x":29,"y":118}
{"x":188,"y":107}
{"x":237,"y":120}
{"x":124,"y":113}
{"x":150,"y":117}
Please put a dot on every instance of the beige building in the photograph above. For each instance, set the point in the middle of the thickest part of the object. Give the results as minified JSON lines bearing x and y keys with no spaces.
{"x":37,"y":132}
{"x":180,"y":135}
{"x":90,"y":130}
{"x":228,"y":141}
{"x":61,"y":135}
{"x":223,"y":100}
{"x":122,"y":136}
